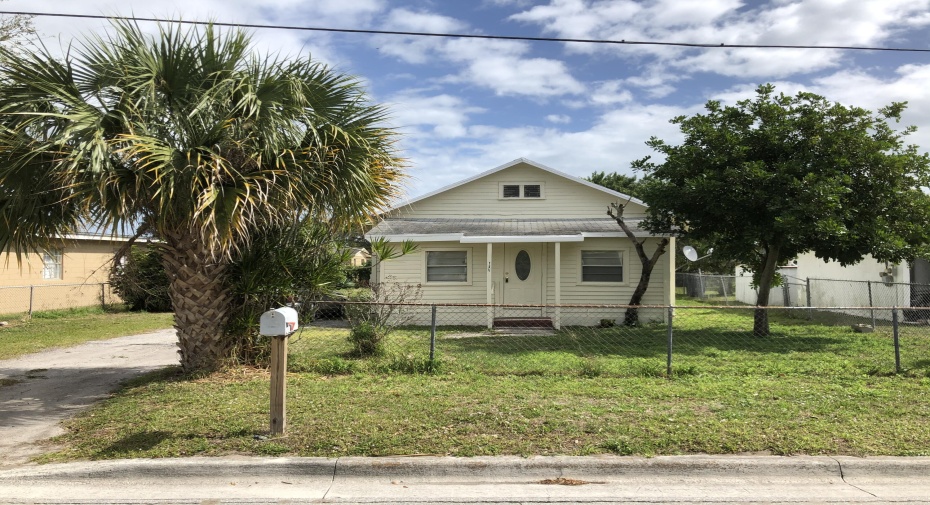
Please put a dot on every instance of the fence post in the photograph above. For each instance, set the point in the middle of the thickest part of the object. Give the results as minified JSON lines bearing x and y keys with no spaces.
{"x":784,"y":292}
{"x":871,"y":310}
{"x":668,"y":364}
{"x":432,"y":335}
{"x":723,"y":285}
{"x":103,"y":296}
{"x":897,"y":347}
{"x":31,"y":290}
{"x":810,"y":311}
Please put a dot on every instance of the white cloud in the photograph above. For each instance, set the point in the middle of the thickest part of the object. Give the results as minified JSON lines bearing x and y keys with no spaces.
{"x":416,"y":50}
{"x":617,"y":138}
{"x":611,"y":93}
{"x":446,"y":115}
{"x":780,"y":22}
{"x":57,"y":32}
{"x":502,"y":66}
{"x":558,"y":118}
{"x":507,"y":75}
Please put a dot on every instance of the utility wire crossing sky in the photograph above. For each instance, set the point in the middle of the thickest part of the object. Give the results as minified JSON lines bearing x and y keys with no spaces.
{"x":578,"y":85}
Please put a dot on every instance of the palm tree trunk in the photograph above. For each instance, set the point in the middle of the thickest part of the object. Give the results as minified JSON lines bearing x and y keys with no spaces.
{"x":201,"y":300}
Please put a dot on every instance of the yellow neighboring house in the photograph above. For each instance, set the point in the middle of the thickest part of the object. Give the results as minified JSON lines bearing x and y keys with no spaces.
{"x":73,"y":274}
{"x":358,"y":256}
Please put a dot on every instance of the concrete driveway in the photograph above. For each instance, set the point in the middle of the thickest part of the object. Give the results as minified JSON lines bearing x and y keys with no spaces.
{"x":45,"y":388}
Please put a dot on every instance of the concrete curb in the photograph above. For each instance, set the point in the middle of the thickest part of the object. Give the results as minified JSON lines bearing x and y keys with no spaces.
{"x":492,"y":468}
{"x":484,"y":480}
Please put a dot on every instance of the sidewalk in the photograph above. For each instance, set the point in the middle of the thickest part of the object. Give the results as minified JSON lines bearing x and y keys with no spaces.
{"x":508,"y":479}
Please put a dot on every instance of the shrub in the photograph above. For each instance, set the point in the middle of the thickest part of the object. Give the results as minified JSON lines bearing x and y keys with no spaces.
{"x":366,"y":339}
{"x":140,"y":280}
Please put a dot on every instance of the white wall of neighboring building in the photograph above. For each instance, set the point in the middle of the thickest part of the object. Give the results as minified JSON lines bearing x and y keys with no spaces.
{"x":746,"y":293}
{"x":833,"y":285}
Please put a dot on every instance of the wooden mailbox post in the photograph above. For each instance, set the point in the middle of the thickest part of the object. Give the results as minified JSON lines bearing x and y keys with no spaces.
{"x":278,"y":324}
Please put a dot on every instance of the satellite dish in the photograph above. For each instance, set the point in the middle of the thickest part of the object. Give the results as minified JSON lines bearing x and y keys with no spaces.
{"x":690,"y":253}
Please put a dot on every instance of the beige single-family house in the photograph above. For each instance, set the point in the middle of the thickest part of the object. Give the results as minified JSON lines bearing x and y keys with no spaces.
{"x":358,"y":256}
{"x":72,"y":273}
{"x":523,"y":240}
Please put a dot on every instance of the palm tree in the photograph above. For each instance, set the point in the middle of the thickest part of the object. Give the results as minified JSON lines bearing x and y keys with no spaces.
{"x":189,"y":136}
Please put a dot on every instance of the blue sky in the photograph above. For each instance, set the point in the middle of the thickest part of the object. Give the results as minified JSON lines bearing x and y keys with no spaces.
{"x":466,"y":106}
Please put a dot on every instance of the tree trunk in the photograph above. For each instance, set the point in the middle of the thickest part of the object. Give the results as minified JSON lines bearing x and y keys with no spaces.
{"x":760,"y":324}
{"x":631,"y":316}
{"x":201,"y":301}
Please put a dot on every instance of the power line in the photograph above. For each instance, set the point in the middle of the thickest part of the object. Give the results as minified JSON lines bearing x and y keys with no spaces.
{"x":470,"y":36}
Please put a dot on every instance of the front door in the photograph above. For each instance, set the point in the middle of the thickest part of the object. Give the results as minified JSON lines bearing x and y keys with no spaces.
{"x":522,"y":282}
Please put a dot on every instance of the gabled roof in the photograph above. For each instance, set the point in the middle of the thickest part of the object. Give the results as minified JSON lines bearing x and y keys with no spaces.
{"x":517,"y":162}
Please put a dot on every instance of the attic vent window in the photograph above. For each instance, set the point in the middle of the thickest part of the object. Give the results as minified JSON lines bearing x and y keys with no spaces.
{"x":520,"y":191}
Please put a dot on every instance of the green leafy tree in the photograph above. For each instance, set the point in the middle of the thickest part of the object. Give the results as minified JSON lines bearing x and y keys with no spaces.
{"x":630,"y":185}
{"x":772,"y":177}
{"x":626,"y":184}
{"x":191,"y":133}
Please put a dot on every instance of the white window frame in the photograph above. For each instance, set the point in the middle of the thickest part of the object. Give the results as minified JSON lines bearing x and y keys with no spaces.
{"x":468,"y":266}
{"x":53,"y":264}
{"x":623,"y":266}
{"x":522,"y":186}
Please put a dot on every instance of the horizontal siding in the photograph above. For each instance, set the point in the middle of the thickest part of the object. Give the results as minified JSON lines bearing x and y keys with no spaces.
{"x":576,"y":292}
{"x":409,"y":269}
{"x":564,"y":198}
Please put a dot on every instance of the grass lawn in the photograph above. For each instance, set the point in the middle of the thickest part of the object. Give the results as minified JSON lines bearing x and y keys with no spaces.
{"x":808,"y":389}
{"x":61,"y":328}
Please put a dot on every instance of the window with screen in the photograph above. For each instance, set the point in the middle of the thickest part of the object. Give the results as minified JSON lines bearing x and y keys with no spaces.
{"x":521,"y":191}
{"x":446,"y":266}
{"x":601,"y":266}
{"x":52,"y":264}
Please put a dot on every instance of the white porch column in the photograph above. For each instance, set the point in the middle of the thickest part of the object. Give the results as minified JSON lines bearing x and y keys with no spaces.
{"x":490,"y":288}
{"x":558,"y":285}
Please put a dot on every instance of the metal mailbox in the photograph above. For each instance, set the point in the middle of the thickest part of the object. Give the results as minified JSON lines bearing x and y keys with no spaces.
{"x":278,"y":322}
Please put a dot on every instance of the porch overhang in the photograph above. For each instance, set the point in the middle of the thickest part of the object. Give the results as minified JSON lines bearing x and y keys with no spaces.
{"x":496,"y":231}
{"x":505,"y":239}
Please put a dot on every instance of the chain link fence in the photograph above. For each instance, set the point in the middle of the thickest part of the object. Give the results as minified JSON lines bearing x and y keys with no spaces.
{"x":24,"y":300}
{"x":592,"y":341}
{"x":810,"y":292}
{"x":710,"y":288}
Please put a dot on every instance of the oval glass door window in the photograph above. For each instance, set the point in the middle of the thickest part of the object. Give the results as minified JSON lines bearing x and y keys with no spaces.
{"x":522,"y":265}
